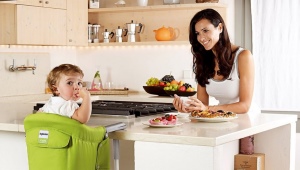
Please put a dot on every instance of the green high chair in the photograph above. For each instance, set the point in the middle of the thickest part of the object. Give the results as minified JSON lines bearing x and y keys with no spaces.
{"x":57,"y":142}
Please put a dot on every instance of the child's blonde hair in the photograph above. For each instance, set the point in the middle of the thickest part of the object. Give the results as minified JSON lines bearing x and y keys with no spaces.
{"x":64,"y":69}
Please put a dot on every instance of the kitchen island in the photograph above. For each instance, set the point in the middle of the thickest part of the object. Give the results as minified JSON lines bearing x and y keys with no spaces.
{"x":192,"y":145}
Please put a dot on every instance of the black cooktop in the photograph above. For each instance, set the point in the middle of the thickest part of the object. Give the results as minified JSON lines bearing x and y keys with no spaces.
{"x":126,"y":108}
{"x":130,"y":108}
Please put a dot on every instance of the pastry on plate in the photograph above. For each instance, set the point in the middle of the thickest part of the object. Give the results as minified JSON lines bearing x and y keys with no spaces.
{"x":212,"y":114}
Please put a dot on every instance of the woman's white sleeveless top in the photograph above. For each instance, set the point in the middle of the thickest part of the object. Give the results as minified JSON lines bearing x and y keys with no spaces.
{"x":227,"y":91}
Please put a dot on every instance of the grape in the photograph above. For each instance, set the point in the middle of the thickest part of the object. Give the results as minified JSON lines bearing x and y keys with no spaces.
{"x":168,"y":78}
{"x":187,"y":85}
{"x":152,"y":81}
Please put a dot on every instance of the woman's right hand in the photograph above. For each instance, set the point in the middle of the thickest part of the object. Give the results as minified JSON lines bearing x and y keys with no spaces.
{"x":178,"y":104}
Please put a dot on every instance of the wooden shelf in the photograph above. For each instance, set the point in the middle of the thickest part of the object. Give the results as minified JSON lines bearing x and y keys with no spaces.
{"x":157,"y":8}
{"x":152,"y":17}
{"x":140,"y":43}
{"x":8,"y":2}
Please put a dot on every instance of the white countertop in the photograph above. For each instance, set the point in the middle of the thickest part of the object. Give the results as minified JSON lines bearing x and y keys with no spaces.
{"x":190,"y":133}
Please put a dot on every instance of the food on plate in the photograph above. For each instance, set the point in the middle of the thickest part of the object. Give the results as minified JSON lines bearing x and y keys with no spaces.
{"x":168,"y":119}
{"x":212,"y":114}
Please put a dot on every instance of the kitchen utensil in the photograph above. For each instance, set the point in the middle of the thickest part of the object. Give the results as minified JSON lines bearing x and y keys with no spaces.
{"x":170,"y":2}
{"x":106,"y":36}
{"x":119,"y":33}
{"x":94,"y":4}
{"x":142,"y":2}
{"x":131,"y":31}
{"x":90,"y":33}
{"x":165,"y":34}
{"x":120,"y":3}
{"x":96,"y":33}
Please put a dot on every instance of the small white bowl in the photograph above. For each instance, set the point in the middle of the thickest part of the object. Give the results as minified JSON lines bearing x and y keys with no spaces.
{"x":184,"y":100}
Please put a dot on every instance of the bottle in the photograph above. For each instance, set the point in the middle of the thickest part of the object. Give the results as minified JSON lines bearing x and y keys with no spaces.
{"x":97,"y":82}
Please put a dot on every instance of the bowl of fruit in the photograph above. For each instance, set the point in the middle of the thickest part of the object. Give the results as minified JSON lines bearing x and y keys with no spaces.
{"x":154,"y":88}
{"x":179,"y":88}
{"x":168,"y":86}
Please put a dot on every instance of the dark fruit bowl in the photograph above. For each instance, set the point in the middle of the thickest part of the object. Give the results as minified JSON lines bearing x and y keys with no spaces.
{"x":156,"y":90}
{"x":180,"y":93}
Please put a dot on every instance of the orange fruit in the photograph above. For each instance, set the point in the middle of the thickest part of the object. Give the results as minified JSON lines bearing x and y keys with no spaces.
{"x":174,"y":82}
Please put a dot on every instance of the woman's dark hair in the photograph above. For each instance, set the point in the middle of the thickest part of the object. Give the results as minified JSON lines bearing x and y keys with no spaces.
{"x":203,"y":60}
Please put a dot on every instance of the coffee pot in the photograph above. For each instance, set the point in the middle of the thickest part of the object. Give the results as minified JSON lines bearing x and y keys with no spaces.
{"x":132,"y":34}
{"x":106,"y":36}
{"x":119,"y":33}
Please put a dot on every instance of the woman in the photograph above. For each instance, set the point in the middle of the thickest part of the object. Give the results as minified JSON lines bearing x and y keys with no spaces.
{"x":223,"y":70}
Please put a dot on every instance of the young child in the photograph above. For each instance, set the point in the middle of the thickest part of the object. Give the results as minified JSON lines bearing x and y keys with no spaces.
{"x":65,"y":82}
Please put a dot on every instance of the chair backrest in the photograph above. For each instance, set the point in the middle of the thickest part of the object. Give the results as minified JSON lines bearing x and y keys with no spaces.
{"x":60,"y":143}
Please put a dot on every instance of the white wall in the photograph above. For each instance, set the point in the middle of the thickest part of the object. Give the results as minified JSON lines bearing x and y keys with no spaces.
{"x":129,"y":66}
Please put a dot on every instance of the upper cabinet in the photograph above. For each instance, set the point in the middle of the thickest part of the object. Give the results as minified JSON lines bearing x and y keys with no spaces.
{"x":152,"y":17}
{"x":40,"y":22}
{"x":60,"y":4}
{"x":77,"y":20}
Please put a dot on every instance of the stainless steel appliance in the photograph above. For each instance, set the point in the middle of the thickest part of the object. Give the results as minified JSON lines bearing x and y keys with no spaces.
{"x":125,"y":109}
{"x":106,"y":36}
{"x":132,"y":34}
{"x":119,"y":34}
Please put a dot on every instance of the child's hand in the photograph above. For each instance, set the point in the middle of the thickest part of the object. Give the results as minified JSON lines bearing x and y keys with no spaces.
{"x":83,"y":93}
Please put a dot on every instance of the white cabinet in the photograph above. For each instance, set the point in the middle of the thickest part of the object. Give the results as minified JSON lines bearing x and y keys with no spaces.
{"x":32,"y":25}
{"x":44,"y":22}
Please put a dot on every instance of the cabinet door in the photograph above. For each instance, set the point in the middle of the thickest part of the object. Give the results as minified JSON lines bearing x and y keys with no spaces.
{"x":30,"y":2}
{"x":77,"y":22}
{"x":54,"y":24}
{"x":61,"y":4}
{"x":29,"y":28}
{"x":7,"y":24}
{"x":40,"y":26}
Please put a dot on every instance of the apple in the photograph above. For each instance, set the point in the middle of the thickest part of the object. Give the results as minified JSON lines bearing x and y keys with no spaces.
{"x":182,"y":88}
{"x":162,"y":84}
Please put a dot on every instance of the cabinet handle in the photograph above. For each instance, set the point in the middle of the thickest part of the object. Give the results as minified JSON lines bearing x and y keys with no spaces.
{"x":70,"y":40}
{"x":40,"y":2}
{"x":47,"y":2}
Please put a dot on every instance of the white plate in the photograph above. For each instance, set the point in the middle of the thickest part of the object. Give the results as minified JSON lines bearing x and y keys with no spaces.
{"x":179,"y":114}
{"x":213,"y":119}
{"x":162,"y":126}
{"x":172,"y":113}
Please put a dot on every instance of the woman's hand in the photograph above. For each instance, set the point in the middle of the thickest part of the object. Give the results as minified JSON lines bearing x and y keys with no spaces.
{"x":178,"y":104}
{"x":196,"y":104}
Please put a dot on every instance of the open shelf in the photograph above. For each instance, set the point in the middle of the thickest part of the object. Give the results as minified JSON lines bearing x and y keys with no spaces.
{"x":157,"y":7}
{"x":140,"y":43}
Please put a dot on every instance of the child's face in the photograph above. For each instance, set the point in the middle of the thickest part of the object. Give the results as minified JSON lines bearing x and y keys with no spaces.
{"x":69,"y":86}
